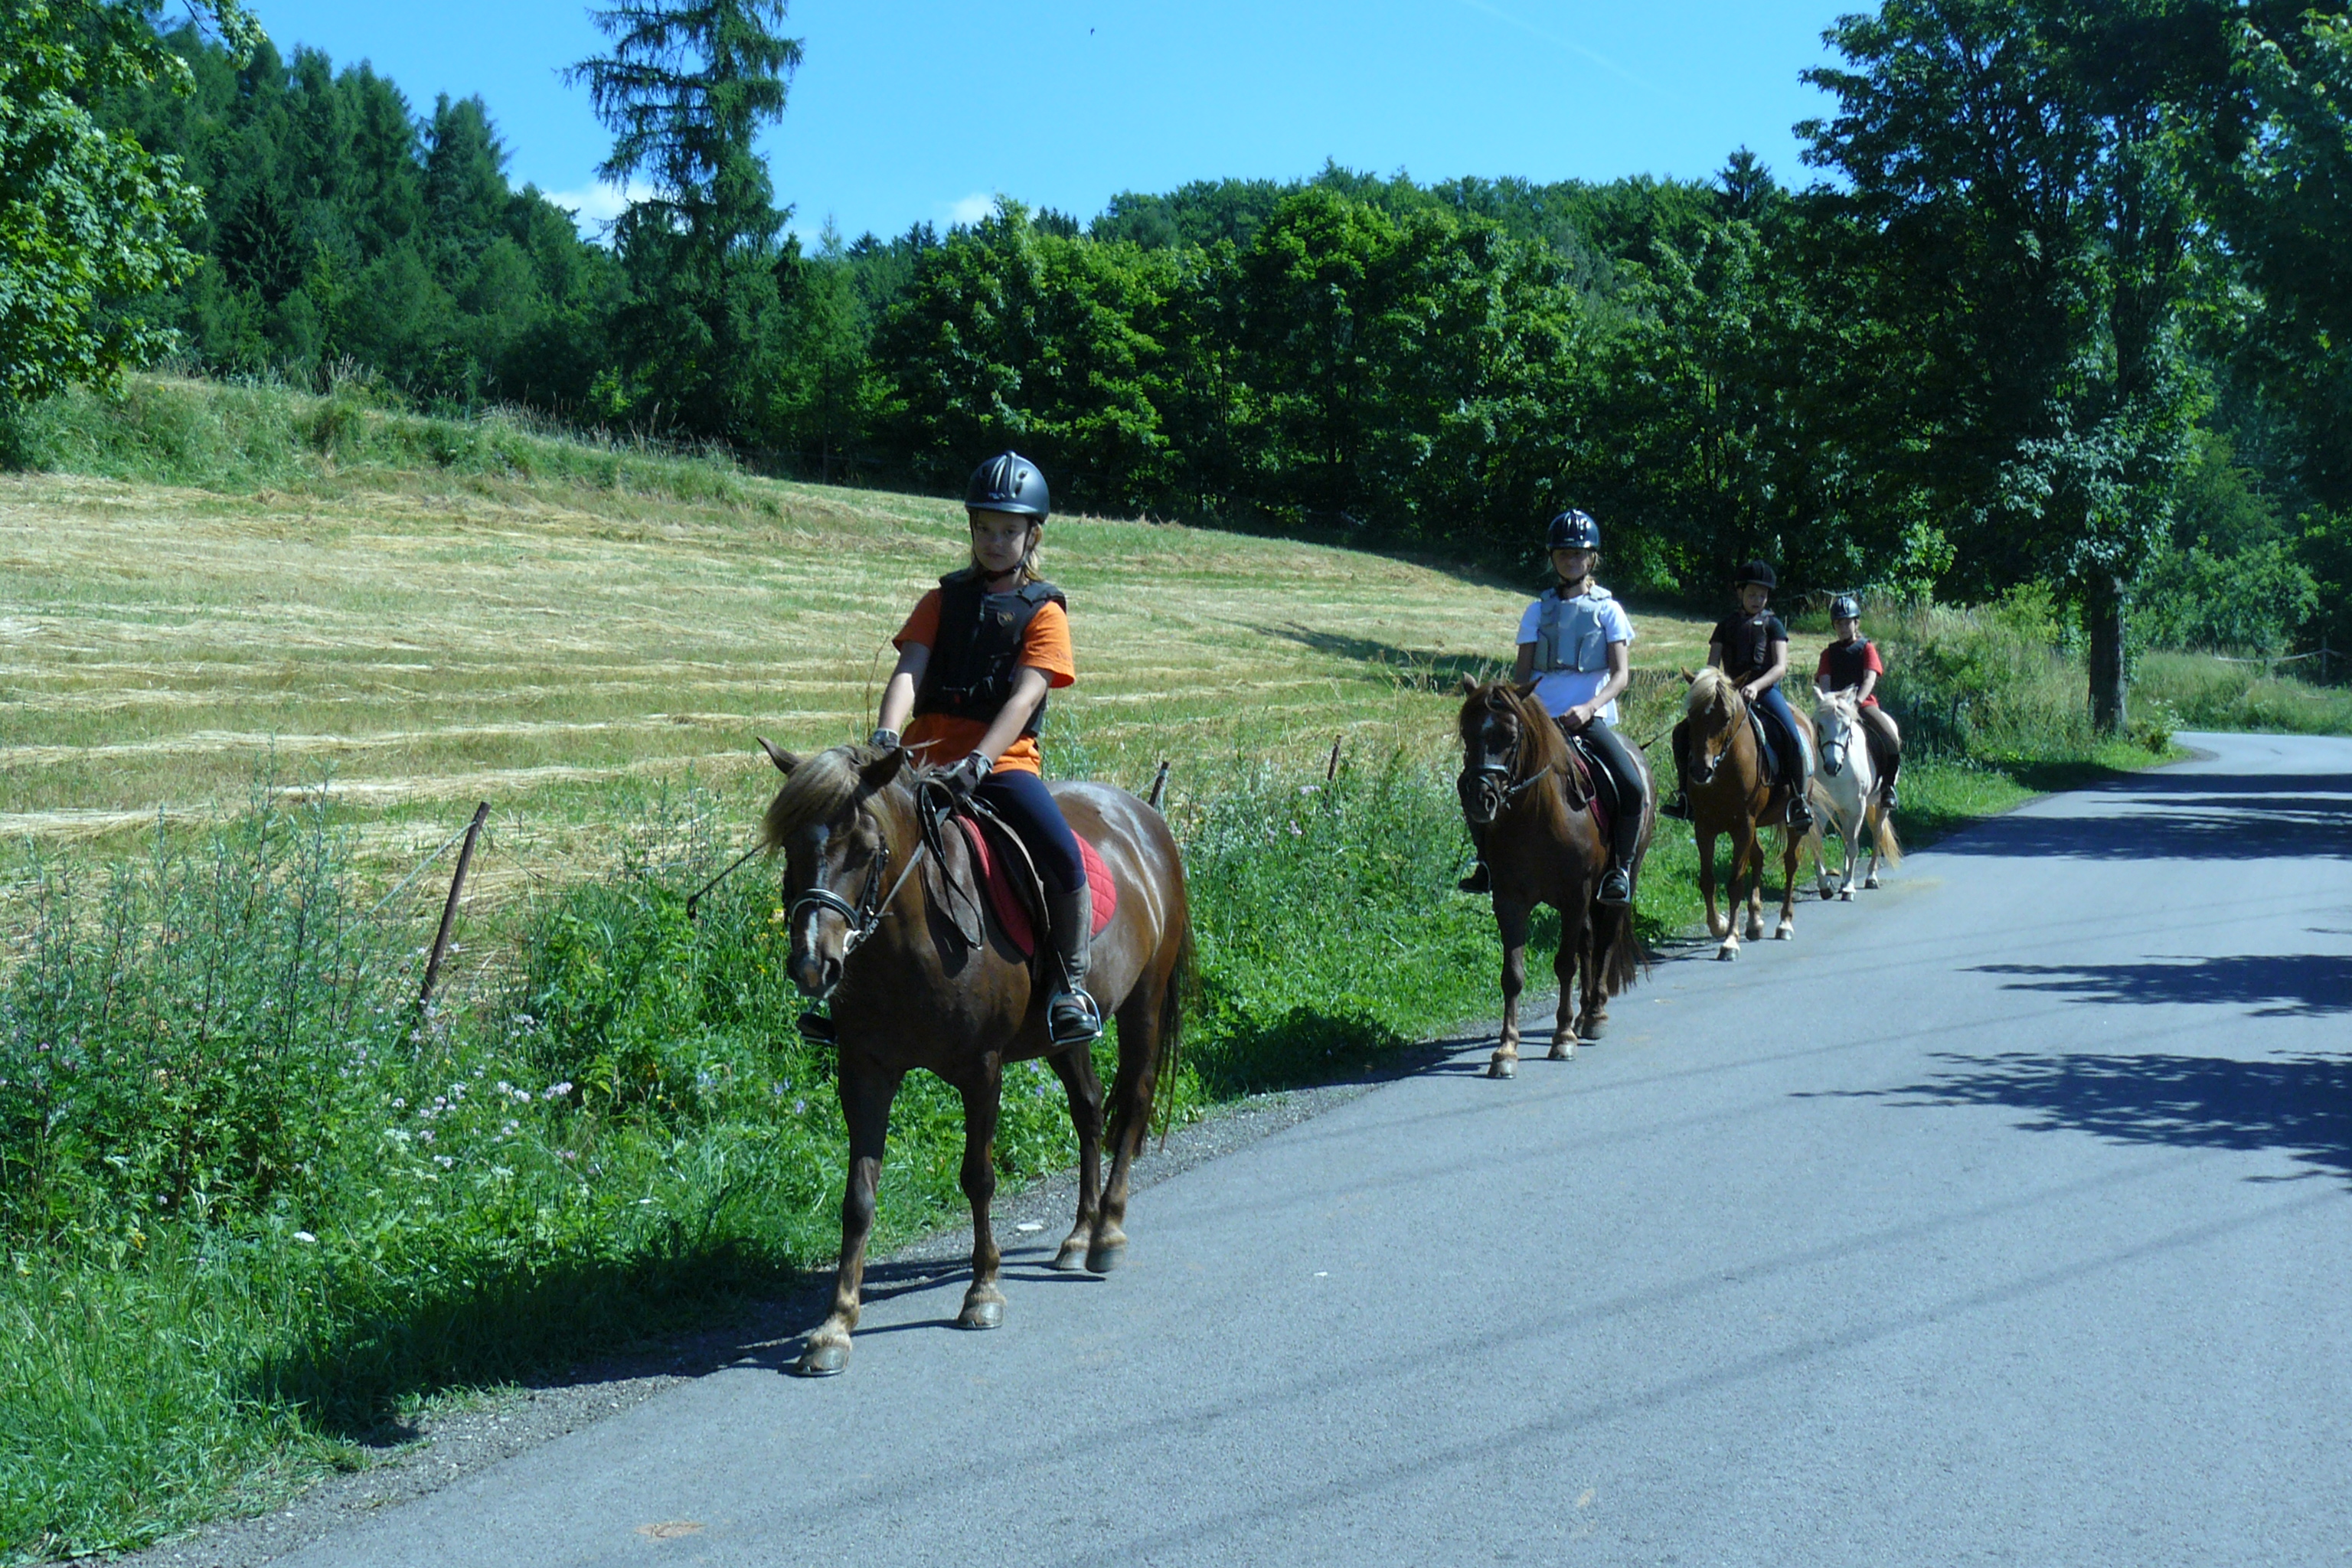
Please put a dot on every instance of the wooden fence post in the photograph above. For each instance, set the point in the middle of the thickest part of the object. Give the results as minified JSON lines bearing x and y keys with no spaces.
{"x":449,"y":909}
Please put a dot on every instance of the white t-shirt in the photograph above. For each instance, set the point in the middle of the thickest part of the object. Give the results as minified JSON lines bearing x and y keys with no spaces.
{"x":1593,"y":620}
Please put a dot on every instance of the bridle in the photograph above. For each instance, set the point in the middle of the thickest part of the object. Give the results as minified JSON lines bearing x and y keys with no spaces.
{"x":1703,"y":767}
{"x":873,"y":906}
{"x":1495,"y":779}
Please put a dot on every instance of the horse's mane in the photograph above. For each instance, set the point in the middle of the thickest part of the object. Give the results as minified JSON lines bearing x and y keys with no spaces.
{"x":823,"y":788}
{"x":1536,"y":727}
{"x":1712,"y":689}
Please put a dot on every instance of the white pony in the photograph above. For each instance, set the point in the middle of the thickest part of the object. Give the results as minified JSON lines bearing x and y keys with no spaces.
{"x":1848,"y":779}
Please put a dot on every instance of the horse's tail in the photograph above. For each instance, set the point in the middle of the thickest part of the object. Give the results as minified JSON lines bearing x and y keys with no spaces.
{"x":1173,"y":1001}
{"x":1882,"y":828}
{"x":1622,"y":960}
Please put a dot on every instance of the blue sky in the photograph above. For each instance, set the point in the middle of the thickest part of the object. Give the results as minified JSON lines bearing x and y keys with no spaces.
{"x":912,"y":110}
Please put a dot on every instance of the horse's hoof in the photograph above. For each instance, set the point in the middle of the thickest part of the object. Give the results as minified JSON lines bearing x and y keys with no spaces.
{"x":1589,"y":1029}
{"x":1105,"y":1256}
{"x":823,"y":1358}
{"x":982,"y":1311}
{"x":1502,"y":1065}
{"x":1845,"y":895}
{"x":1785,"y":931}
{"x":1073,"y":1256}
{"x":1561,"y":1051}
{"x":1728,"y":951}
{"x":1873,"y":883}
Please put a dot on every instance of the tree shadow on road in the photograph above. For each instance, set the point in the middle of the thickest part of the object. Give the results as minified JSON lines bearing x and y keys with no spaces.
{"x":2300,"y":1105}
{"x":2185,"y":817}
{"x":2275,"y":985}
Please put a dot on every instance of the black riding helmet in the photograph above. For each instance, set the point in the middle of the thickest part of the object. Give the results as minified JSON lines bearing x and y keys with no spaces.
{"x":1008,"y":482}
{"x":1758,"y":573}
{"x":1573,"y":529}
{"x":1845,"y":607}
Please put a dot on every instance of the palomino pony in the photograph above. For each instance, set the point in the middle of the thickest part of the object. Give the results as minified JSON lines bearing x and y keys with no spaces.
{"x":1513,"y":767}
{"x":1849,"y":780}
{"x":908,"y":990}
{"x":1731,"y":791}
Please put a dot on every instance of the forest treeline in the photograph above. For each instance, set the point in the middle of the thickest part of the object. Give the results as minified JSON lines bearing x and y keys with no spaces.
{"x":2058,"y":308}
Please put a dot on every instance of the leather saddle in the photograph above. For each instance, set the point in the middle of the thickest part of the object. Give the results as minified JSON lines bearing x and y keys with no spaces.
{"x":1586,"y":782}
{"x":999,"y":878}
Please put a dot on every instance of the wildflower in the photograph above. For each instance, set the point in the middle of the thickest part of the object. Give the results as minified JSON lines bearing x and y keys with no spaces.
{"x":510,"y":1128}
{"x":799,"y":1107}
{"x":1298,"y":832}
{"x":426,"y":1136}
{"x":505,"y":1088}
{"x":306,"y":1239}
{"x":565,"y":1155}
{"x":445,"y":1160}
{"x":557,"y":1090}
{"x":521,"y":1097}
{"x":399,"y":1104}
{"x":1310,"y":789}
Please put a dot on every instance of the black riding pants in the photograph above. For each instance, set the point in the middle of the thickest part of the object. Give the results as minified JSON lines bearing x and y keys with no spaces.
{"x":1021,"y":799}
{"x":1632,"y":792}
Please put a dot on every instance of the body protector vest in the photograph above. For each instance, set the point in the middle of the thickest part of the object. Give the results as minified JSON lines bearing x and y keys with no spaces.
{"x":1569,"y":635}
{"x":1848,"y":663}
{"x":971,"y":671}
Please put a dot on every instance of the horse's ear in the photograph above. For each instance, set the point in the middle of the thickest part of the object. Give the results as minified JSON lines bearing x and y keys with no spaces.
{"x":1469,"y":685}
{"x":785,"y":761}
{"x":1525,"y":688}
{"x":1821,"y":698}
{"x":1690,"y":677}
{"x":877,"y":773}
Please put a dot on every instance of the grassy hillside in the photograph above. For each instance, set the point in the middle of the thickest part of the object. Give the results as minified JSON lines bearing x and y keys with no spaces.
{"x":515,"y":627}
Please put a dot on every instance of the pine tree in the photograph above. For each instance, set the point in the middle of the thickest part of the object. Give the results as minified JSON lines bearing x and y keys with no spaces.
{"x":685,"y":91}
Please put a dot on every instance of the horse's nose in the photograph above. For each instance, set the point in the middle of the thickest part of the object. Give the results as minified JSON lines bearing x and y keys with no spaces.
{"x":815,"y":974}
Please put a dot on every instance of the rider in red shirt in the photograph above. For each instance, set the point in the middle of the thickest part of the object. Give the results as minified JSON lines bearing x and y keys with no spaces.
{"x":1852,"y":664}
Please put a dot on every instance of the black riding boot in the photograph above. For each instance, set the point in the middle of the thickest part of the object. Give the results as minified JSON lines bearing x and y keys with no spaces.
{"x":1071,"y":1016}
{"x":1799,"y":783}
{"x":1679,"y":805}
{"x":1626,"y":785}
{"x":1886,"y":784}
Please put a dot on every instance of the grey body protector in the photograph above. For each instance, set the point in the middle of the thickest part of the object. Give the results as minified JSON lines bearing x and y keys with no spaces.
{"x":1571,"y":634}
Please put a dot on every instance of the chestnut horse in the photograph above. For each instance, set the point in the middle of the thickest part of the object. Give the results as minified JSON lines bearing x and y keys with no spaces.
{"x":1541,"y":851}
{"x":1730,"y":790}
{"x":907,"y":989}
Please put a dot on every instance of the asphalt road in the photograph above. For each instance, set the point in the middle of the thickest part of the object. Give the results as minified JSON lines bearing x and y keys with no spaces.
{"x":2005,"y":1216}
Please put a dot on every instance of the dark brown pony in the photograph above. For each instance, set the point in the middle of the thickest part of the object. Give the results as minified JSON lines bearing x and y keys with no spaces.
{"x":1730,"y":791}
{"x":1539,"y":851}
{"x":871,"y":932}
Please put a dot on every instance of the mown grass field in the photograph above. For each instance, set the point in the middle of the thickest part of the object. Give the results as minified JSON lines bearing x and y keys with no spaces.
{"x":255,"y":1207}
{"x":427,"y":639}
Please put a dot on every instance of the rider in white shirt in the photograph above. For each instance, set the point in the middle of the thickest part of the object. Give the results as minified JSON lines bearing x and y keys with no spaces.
{"x":1576,"y":643}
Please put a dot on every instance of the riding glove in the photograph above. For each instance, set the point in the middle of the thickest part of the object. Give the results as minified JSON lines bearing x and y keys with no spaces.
{"x":963,"y":777}
{"x":884,"y":740}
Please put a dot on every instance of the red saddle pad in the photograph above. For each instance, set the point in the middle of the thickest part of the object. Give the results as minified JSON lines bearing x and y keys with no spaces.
{"x":1011,"y":914}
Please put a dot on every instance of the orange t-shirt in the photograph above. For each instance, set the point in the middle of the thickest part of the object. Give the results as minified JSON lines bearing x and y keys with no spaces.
{"x":940,"y":738}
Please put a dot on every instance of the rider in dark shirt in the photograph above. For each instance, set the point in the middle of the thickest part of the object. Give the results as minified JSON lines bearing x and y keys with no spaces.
{"x":1752,"y":647}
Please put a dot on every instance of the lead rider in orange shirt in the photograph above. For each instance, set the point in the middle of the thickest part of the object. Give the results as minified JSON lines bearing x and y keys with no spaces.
{"x":975,"y":661}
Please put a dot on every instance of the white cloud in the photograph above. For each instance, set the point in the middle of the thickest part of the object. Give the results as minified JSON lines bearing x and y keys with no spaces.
{"x":600,"y":204}
{"x":972,"y":209}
